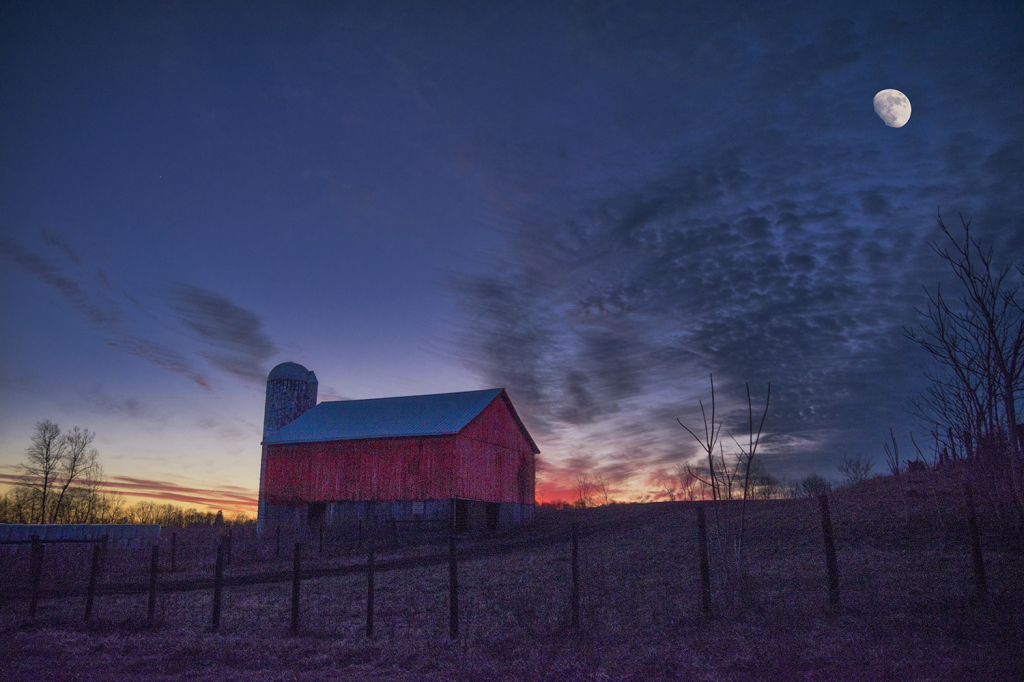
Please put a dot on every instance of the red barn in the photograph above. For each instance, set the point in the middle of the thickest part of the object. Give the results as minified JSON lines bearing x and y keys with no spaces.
{"x":464,"y":459}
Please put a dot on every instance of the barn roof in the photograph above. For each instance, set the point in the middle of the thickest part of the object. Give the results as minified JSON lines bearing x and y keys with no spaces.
{"x":418,"y":415}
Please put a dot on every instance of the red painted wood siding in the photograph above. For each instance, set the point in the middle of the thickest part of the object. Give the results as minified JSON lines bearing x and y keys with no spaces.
{"x":493,"y":459}
{"x":490,"y":460}
{"x":372,"y":469}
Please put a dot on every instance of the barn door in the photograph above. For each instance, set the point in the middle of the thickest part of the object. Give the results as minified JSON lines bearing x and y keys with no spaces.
{"x":493,"y":514}
{"x":461,"y":516}
{"x":315,"y":513}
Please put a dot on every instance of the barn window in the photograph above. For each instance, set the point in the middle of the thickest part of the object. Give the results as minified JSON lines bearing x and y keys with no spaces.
{"x":417,"y":509}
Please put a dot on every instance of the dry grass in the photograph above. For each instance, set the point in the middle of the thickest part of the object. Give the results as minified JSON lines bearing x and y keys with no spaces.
{"x":908,"y":611}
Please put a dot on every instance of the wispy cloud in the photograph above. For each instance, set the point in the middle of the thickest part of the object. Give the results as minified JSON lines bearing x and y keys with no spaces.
{"x":55,"y":240}
{"x":226,"y":498}
{"x":234,"y":335}
{"x":772,"y":235}
{"x":639,"y":297}
{"x":230,"y":337}
{"x":102,"y":317}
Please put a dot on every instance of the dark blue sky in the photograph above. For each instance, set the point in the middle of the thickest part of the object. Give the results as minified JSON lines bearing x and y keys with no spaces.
{"x":594,"y":205}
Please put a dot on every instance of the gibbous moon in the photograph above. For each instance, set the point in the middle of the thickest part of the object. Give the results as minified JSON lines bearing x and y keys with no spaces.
{"x":893,"y":107}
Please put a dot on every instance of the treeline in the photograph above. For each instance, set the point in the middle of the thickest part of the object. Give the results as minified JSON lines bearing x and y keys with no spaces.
{"x":80,"y":504}
{"x":169,"y":515}
{"x":593,"y":490}
{"x":20,"y":506}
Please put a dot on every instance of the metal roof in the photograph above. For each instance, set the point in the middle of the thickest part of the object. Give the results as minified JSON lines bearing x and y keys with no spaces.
{"x":417,"y":415}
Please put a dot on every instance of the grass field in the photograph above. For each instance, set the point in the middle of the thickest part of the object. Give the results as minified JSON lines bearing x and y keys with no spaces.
{"x":908,"y":608}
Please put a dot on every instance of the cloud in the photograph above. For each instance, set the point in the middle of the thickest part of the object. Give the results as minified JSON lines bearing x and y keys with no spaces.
{"x":235,"y":335}
{"x":130,"y":407}
{"x":55,"y":240}
{"x":227,"y":498}
{"x":72,"y":291}
{"x":739,"y":211}
{"x":161,"y":356}
{"x":231,"y":338}
{"x":606,"y":323}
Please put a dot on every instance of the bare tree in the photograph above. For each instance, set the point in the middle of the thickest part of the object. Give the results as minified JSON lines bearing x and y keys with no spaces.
{"x":856,"y":469}
{"x":669,"y":487}
{"x":79,"y":462}
{"x":142,"y":512}
{"x":92,"y":500}
{"x":18,"y":506}
{"x":746,"y":458}
{"x":711,"y":433}
{"x":813,"y":486}
{"x":584,"y":489}
{"x":603,"y":488}
{"x":62,"y":480}
{"x":688,"y":482}
{"x":727,"y":478}
{"x":43,"y":459}
{"x":892,"y":455}
{"x":764,"y":485}
{"x":978,"y":343}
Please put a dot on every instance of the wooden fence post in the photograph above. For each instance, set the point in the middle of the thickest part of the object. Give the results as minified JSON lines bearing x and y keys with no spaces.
{"x":154,"y":567}
{"x":830,"y":551}
{"x":93,"y":575}
{"x":369,"y":590}
{"x":453,"y":591}
{"x":705,"y":568}
{"x":979,"y":560}
{"x":174,"y":552}
{"x":575,"y":578}
{"x":218,"y":580}
{"x":296,"y":569}
{"x":37,"y":554}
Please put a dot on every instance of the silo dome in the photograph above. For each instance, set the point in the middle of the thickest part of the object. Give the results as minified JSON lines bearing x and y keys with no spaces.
{"x":292,"y":371}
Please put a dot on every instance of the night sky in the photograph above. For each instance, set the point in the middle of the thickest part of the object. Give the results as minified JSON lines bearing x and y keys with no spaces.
{"x":593,"y":205}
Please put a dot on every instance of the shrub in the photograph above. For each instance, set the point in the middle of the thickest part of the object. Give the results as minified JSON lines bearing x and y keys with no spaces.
{"x":856,"y":469}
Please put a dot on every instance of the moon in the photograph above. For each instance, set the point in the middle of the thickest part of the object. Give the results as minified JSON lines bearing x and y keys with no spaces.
{"x":893,"y":107}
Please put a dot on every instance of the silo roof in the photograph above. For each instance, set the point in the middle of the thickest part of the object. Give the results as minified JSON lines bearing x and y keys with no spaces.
{"x":293,"y":371}
{"x":419,"y":415}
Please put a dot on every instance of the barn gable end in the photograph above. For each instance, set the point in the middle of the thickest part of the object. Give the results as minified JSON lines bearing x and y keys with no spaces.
{"x":494,"y":456}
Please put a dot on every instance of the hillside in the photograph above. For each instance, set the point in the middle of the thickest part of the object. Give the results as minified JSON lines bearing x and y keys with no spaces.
{"x":908,"y":607}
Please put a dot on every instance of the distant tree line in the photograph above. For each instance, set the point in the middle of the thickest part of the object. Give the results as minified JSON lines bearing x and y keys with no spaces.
{"x":13,"y":509}
{"x":690,"y":484}
{"x":62,"y":481}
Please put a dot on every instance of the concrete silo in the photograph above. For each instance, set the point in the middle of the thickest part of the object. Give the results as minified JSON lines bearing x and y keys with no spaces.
{"x":291,"y":391}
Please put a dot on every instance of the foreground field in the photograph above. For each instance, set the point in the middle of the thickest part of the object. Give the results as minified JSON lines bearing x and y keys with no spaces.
{"x":908,"y":608}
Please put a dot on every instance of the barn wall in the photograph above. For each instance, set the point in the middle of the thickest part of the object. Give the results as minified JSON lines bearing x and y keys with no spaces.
{"x":432,"y":515}
{"x":493,"y":459}
{"x":383,"y":469}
